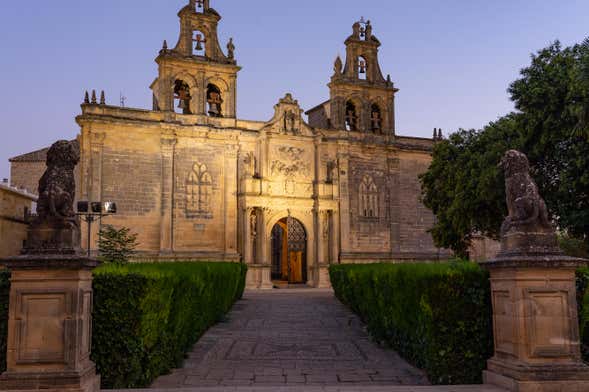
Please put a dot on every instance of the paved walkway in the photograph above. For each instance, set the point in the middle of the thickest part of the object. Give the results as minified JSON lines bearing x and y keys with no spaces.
{"x":290,"y":341}
{"x":296,"y":338}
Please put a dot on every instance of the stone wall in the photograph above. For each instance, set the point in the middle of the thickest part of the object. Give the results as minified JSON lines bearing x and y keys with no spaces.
{"x":14,"y":205}
{"x":26,"y":175}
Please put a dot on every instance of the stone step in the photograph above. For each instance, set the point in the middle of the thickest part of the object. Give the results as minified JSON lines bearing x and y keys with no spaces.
{"x":335,"y":388}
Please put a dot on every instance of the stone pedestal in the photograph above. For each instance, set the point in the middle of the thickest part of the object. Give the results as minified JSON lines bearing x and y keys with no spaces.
{"x":50,"y":325}
{"x":535,"y":321}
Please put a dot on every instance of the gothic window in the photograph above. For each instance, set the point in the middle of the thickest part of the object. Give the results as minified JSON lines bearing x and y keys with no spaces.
{"x":182,"y":97}
{"x":200,"y":41}
{"x":199,"y":190}
{"x":214,"y":101}
{"x":362,"y":68}
{"x":351,"y":117}
{"x":368,"y":198}
{"x":376,"y":119}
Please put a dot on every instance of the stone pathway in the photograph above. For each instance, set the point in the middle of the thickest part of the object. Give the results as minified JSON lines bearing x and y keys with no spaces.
{"x":298,"y":338}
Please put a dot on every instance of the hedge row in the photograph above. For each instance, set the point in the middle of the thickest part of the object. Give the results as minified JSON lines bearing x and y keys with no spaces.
{"x":147,"y":316}
{"x":437,"y":316}
{"x":583,"y":303}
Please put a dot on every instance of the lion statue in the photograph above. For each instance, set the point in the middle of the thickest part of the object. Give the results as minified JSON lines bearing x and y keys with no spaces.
{"x":57,"y":186}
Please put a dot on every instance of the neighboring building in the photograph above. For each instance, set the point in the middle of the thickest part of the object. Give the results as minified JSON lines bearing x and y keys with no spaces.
{"x":15,"y":207}
{"x":27,"y":169}
{"x":286,"y":197}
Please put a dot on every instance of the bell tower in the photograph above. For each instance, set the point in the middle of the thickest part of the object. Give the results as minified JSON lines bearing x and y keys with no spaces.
{"x":362,"y":100}
{"x":196,"y":76}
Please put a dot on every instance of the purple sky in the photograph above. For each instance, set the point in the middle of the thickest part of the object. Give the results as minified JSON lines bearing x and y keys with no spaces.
{"x":452,"y":59}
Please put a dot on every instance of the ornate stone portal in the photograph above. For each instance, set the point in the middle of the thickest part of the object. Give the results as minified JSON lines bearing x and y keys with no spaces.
{"x":535,"y":319}
{"x":50,"y":314}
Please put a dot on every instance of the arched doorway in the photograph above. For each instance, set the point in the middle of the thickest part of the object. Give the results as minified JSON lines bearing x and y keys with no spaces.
{"x":289,"y":251}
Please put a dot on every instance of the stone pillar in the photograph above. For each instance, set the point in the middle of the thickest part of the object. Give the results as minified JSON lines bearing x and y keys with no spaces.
{"x":264,"y":257}
{"x":50,"y":325}
{"x":535,"y":321}
{"x":95,"y":184}
{"x":168,"y":145}
{"x":324,"y":234}
{"x":343,"y":164}
{"x":536,"y":327}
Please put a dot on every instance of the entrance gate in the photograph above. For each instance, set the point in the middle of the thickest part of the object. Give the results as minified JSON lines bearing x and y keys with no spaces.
{"x":289,"y":251}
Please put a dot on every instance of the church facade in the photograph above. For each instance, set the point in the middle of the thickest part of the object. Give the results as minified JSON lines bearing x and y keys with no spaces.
{"x":286,"y":196}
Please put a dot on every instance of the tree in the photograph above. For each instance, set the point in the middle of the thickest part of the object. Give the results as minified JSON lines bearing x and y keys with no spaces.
{"x":116,"y":246}
{"x":464,"y":187}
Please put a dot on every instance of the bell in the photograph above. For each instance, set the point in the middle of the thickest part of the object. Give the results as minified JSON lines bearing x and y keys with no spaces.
{"x":214,"y":110}
{"x":181,"y":104}
{"x":199,"y":45}
{"x":362,"y":67}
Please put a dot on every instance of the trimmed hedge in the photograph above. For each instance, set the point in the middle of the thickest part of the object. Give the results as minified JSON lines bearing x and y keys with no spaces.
{"x":147,"y":316}
{"x":583,"y":304}
{"x":437,"y":316}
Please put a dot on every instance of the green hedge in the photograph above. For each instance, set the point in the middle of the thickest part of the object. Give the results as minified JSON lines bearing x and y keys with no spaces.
{"x":437,"y":316}
{"x":583,"y":303}
{"x":147,"y":316}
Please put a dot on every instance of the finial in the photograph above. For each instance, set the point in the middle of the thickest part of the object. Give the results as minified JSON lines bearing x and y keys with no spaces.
{"x":440,"y":135}
{"x":165,"y":45}
{"x":86,"y":98}
{"x":102,"y":98}
{"x":93,"y":97}
{"x":435,"y":133}
{"x":389,"y":81}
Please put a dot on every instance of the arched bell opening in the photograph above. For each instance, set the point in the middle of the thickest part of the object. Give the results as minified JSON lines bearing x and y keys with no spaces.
{"x":289,"y":251}
{"x":214,"y":101}
{"x":362,"y":68}
{"x":200,"y":40}
{"x":182,"y":97}
{"x":375,"y":119}
{"x":351,"y":116}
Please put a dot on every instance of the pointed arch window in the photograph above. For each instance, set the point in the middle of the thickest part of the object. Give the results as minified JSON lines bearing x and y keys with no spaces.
{"x":376,"y":119}
{"x":199,"y":190}
{"x":368,"y":198}
{"x":214,"y":101}
{"x":351,"y":116}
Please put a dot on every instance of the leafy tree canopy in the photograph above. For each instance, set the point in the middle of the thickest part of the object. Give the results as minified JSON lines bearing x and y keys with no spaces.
{"x":464,"y":187}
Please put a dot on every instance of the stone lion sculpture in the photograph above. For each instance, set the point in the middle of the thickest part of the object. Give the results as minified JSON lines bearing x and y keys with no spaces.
{"x":527,"y":228}
{"x":57,"y":186}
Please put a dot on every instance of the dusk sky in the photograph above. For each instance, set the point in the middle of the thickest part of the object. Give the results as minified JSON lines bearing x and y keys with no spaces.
{"x":452,"y":60}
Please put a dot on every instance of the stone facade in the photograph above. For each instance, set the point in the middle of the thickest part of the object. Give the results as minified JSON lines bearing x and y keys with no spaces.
{"x":15,"y":205}
{"x":196,"y":183}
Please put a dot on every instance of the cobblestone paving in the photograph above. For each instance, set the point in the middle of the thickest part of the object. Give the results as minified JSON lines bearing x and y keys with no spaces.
{"x":290,"y":338}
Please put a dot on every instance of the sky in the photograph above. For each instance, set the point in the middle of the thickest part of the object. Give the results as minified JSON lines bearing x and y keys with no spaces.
{"x":452,"y":60}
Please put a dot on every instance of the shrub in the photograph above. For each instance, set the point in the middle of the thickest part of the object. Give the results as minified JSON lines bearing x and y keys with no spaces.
{"x":116,"y":245}
{"x":437,"y":316}
{"x":4,"y":301}
{"x":146,"y":316}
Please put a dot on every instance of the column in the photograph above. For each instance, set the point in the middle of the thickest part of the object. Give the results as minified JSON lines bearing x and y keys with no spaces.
{"x":230,"y":201}
{"x":95,"y":184}
{"x":168,"y":147}
{"x":263,"y":247}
